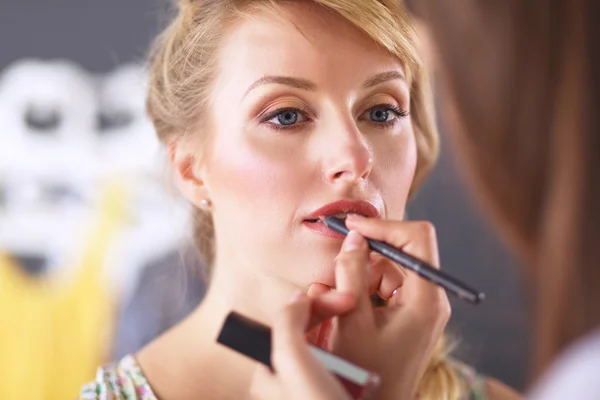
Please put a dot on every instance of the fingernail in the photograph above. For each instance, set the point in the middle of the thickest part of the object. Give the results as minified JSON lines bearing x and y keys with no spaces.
{"x":353,"y":241}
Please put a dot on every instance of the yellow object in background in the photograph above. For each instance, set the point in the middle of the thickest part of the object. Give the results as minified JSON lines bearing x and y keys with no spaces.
{"x":53,"y":337}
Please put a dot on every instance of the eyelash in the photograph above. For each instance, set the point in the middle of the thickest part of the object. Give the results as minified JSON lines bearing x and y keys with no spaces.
{"x":266,"y":118}
{"x":399,"y":112}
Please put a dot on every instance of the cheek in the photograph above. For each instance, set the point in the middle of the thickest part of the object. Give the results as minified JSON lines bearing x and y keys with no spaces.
{"x":397,"y":163}
{"x":247,"y":173}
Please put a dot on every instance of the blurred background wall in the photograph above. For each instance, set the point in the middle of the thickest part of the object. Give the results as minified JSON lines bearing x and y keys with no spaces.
{"x":94,"y":256}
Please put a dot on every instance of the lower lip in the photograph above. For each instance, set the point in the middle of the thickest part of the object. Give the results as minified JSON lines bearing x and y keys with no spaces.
{"x":322,"y":229}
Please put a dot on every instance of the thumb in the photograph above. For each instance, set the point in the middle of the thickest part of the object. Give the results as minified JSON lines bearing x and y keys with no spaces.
{"x":292,"y":359}
{"x":289,"y":329}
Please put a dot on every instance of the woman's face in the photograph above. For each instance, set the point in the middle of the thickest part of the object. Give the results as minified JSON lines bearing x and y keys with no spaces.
{"x":306,"y":111}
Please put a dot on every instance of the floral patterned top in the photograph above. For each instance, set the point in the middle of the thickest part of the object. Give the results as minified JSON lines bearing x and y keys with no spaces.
{"x":126,"y":381}
{"x":119,"y":381}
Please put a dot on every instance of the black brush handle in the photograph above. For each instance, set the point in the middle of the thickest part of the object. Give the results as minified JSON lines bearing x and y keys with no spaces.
{"x":247,"y":337}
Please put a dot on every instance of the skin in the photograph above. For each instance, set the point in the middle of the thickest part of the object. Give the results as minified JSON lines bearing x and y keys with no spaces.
{"x":283,"y":175}
{"x":346,"y":142}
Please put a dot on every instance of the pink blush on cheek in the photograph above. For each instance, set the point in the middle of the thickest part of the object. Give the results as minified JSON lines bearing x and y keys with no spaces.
{"x":253,"y":179}
{"x":246,"y":191}
{"x":246,"y":177}
{"x":399,"y":163}
{"x":257,"y":166}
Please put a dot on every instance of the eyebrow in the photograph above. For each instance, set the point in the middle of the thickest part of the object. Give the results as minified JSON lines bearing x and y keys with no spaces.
{"x":305,"y":84}
{"x":382,"y":78}
{"x":297,"y":83}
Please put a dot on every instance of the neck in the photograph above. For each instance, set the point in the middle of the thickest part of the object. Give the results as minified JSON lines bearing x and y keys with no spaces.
{"x":254,"y":295}
{"x":190,"y":355}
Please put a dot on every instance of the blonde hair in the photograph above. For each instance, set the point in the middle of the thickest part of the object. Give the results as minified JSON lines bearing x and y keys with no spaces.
{"x":183,"y":68}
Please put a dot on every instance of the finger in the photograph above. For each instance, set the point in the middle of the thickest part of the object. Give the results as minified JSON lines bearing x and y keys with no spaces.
{"x":264,"y":384}
{"x":292,"y":358}
{"x":417,"y":238}
{"x":325,"y":307}
{"x":293,"y":319}
{"x":289,"y":347}
{"x":385,"y":277}
{"x":351,"y":272}
{"x":330,"y":305}
{"x":316,"y":289}
{"x":323,"y":339}
{"x":422,"y":244}
{"x":313,"y":333}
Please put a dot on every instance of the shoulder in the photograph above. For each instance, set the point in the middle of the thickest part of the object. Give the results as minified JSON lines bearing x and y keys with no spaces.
{"x":575,"y":374}
{"x":123,"y":380}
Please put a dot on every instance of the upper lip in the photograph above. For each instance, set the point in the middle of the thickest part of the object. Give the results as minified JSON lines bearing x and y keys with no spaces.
{"x":360,"y":207}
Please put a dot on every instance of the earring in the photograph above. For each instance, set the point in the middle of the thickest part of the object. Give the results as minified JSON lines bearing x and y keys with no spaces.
{"x":206,"y":204}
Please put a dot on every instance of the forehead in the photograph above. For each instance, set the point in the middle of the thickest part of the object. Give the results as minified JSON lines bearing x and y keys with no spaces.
{"x":303,"y":40}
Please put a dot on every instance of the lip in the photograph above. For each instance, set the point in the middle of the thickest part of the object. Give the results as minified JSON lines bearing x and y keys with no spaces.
{"x":360,"y":207}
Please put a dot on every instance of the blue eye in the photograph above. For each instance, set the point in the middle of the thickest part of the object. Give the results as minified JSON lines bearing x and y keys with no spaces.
{"x":286,"y":117}
{"x":380,"y":115}
{"x":384,"y":114}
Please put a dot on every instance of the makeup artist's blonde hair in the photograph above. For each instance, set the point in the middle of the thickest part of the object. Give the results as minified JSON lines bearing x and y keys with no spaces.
{"x":183,"y":68}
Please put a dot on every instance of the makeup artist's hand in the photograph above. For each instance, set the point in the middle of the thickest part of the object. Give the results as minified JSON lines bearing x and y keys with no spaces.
{"x":299,"y":375}
{"x":398,"y":340}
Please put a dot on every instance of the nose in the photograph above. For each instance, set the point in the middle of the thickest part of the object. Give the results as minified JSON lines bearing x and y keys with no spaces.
{"x":348,"y":158}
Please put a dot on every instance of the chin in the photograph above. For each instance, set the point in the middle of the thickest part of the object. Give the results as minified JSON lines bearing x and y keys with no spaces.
{"x":324,"y":276}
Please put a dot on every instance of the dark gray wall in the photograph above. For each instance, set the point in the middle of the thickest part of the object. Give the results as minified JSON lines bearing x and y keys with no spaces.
{"x":99,"y":34}
{"x":102,"y":34}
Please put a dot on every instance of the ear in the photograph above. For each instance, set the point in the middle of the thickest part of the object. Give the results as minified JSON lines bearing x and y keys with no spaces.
{"x":187,"y":173}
